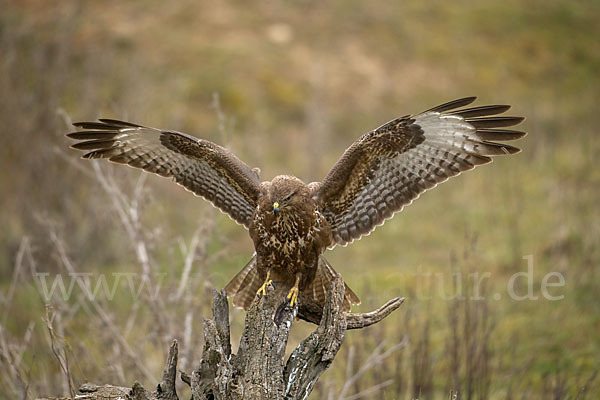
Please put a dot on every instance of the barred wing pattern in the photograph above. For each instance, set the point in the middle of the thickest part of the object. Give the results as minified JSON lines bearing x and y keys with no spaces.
{"x":391,"y":166}
{"x":204,"y":168}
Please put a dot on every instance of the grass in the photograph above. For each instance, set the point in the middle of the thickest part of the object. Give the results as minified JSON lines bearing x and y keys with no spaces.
{"x":292,"y":104}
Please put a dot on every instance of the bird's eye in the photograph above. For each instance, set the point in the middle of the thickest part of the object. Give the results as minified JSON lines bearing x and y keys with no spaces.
{"x":289,"y":196}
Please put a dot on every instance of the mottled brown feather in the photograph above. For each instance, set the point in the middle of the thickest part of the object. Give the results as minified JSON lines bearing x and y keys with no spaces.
{"x":202,"y":167}
{"x":391,"y":166}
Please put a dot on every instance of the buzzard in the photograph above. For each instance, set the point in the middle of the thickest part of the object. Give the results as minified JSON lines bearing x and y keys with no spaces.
{"x":292,"y":223}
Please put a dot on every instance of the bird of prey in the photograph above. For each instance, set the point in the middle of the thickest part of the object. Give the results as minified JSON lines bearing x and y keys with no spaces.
{"x":292,"y":223}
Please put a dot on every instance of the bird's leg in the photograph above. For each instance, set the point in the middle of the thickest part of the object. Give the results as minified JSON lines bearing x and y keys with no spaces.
{"x":292,"y":296}
{"x":263,"y":289}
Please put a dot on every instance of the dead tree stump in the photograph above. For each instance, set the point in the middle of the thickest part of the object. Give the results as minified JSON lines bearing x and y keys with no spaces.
{"x":259,"y":370}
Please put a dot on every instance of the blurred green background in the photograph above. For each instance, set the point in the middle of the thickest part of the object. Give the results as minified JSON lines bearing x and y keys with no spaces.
{"x":288,"y":86}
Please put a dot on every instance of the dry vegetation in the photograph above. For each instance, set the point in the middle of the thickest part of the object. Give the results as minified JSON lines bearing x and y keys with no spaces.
{"x":288,"y":87}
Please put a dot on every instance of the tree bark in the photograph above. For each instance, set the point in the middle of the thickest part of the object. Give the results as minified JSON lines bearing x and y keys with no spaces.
{"x":259,"y":370}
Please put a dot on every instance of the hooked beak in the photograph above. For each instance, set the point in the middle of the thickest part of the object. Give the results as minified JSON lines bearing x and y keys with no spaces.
{"x":275,"y":208}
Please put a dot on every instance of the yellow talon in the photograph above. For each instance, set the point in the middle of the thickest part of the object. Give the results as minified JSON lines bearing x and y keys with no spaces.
{"x":262,"y":291}
{"x":293,"y":296}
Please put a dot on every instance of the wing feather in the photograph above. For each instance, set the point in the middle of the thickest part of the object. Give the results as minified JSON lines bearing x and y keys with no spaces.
{"x":204,"y":168}
{"x":388,"y":168}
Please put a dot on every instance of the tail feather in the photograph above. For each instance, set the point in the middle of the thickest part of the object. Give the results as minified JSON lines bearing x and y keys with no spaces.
{"x":244,"y":285}
{"x":324,"y":275}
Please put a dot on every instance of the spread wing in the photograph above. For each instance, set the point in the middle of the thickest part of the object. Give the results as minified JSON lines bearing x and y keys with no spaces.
{"x":206,"y":169}
{"x":391,"y":166}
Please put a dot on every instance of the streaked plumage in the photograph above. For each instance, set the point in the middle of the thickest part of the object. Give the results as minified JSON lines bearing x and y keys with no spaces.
{"x":291,"y":223}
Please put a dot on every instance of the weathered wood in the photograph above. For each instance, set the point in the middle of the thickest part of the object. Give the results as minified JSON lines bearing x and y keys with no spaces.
{"x":259,"y":370}
{"x":220,"y":312}
{"x":260,"y":359}
{"x":165,"y":390}
{"x":214,"y":368}
{"x":90,"y":391}
{"x":310,"y":311}
{"x":316,"y":353}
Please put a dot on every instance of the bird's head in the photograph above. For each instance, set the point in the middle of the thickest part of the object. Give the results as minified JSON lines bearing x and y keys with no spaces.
{"x":287,"y":192}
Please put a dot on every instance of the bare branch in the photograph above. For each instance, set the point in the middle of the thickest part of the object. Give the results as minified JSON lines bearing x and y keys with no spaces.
{"x":370,"y":390}
{"x":311,"y":311}
{"x":122,"y":341}
{"x":376,"y":357}
{"x":24,"y":247}
{"x":58,"y":349}
{"x":190,"y":254}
